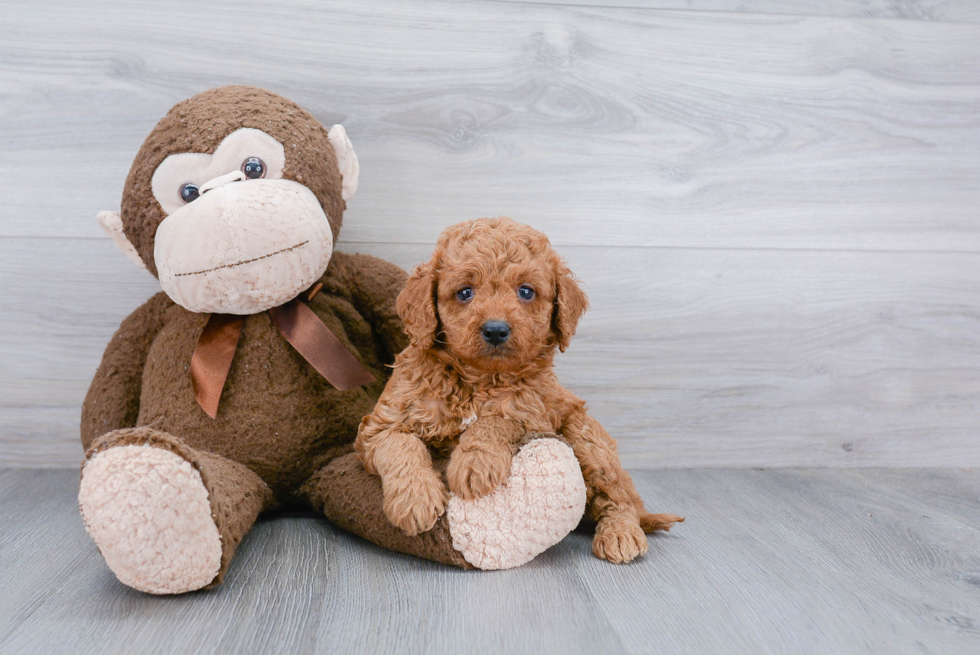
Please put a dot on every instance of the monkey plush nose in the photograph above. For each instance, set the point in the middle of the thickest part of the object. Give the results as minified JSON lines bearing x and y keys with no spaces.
{"x":495,"y":332}
{"x":221,"y":180}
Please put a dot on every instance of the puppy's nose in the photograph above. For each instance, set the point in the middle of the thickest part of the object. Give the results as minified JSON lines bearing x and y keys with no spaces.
{"x":495,"y":332}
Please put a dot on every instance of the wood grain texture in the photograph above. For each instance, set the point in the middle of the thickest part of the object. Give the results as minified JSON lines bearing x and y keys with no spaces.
{"x":802,"y":561}
{"x":954,"y":11}
{"x":688,"y":357}
{"x":603,"y":126}
{"x":775,"y":215}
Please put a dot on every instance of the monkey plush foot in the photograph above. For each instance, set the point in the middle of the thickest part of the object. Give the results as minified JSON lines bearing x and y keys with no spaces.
{"x":541,"y":501}
{"x":148,"y":511}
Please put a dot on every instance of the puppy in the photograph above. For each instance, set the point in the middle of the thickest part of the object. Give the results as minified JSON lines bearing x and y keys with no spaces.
{"x":485,"y":317}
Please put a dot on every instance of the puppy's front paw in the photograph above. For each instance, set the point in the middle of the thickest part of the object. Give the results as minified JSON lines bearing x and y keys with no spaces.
{"x":618,"y":540}
{"x":414,"y":504}
{"x":476,"y":471}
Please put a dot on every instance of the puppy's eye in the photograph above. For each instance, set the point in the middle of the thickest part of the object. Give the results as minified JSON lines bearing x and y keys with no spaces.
{"x":464,"y":294}
{"x":525,"y":292}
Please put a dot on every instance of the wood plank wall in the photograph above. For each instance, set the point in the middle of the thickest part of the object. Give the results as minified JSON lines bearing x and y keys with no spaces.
{"x":773,"y":205}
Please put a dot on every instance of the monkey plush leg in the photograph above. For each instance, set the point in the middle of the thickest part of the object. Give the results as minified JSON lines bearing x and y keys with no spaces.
{"x":167,"y":518}
{"x":541,"y":501}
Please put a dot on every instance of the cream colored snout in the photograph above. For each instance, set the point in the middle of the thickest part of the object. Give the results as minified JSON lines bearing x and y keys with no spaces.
{"x":243,"y":246}
{"x":234,"y":176}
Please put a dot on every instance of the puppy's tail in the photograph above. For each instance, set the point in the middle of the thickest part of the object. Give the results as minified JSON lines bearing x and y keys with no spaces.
{"x":653,"y":522}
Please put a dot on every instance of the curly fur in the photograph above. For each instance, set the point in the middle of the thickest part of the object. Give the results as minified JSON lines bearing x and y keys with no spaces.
{"x":454,"y":394}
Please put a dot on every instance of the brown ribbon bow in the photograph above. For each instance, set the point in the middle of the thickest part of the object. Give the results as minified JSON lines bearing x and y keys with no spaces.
{"x":298,"y":324}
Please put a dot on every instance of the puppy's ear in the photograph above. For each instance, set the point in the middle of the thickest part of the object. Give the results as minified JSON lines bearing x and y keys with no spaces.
{"x":416,"y":306}
{"x":570,"y":303}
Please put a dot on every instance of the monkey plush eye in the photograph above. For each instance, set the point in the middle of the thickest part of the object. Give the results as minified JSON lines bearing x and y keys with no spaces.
{"x":464,"y":294}
{"x":189,"y":192}
{"x":525,"y":292}
{"x":254,"y":168}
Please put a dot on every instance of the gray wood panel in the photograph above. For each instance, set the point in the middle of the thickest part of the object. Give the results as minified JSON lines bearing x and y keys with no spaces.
{"x":688,"y":357}
{"x":955,"y":11}
{"x":801,"y":561}
{"x":603,"y":126}
{"x":776,"y":215}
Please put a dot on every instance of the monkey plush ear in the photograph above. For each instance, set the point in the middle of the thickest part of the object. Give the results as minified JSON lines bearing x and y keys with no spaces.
{"x":346,"y":160}
{"x":416,"y":307}
{"x":111,"y":222}
{"x":570,"y":303}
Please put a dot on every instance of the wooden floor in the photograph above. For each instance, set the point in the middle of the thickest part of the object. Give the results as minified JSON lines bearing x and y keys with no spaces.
{"x":769,"y":561}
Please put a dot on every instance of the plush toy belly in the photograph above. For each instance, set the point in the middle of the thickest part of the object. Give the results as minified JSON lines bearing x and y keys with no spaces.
{"x":292,"y":417}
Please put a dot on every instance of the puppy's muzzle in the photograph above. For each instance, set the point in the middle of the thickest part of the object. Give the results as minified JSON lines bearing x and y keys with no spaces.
{"x":496,"y":332}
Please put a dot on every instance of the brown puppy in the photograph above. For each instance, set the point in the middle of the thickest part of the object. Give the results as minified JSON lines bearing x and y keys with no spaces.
{"x":485,"y":317}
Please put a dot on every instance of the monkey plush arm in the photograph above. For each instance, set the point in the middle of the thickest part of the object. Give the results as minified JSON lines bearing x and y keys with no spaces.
{"x":113,"y":399}
{"x":374,"y":285}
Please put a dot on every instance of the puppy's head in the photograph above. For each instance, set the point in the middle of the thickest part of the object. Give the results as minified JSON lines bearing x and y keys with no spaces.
{"x":494,"y":293}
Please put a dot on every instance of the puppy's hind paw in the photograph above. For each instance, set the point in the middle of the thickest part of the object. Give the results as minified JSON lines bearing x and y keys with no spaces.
{"x":618,"y":540}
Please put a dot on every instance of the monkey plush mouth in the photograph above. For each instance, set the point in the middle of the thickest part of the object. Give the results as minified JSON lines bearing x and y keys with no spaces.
{"x":244,"y":261}
{"x":243,"y":247}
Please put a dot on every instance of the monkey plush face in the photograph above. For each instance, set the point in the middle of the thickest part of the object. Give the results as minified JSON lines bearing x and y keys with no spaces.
{"x":235,"y":200}
{"x":238,"y":238}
